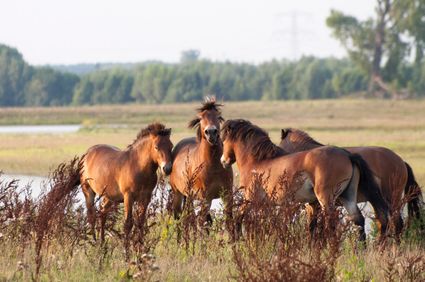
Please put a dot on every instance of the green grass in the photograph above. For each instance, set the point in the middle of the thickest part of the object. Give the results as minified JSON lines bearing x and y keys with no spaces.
{"x":398,"y":125}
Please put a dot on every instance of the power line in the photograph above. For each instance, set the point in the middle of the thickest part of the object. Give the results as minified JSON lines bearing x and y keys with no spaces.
{"x":294,"y":32}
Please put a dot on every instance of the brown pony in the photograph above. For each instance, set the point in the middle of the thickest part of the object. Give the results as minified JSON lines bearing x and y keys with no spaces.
{"x":125,"y":176}
{"x":324,"y":174}
{"x":199,"y":158}
{"x":393,"y":175}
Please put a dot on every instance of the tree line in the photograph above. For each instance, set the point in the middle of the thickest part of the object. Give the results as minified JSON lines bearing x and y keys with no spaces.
{"x":189,"y":80}
{"x":385,"y":59}
{"x":307,"y":78}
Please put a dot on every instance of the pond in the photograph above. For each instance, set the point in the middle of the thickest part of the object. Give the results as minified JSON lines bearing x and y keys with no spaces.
{"x":36,"y":183}
{"x":34,"y":129}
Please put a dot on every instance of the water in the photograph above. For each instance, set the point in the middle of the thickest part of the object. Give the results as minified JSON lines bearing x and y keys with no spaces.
{"x":38,"y":129}
{"x":36,"y":183}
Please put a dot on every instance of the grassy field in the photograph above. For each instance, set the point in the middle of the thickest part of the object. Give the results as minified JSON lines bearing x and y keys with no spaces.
{"x":398,"y":125}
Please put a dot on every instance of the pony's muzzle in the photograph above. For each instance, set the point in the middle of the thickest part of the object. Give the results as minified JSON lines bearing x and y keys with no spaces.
{"x":224,"y":163}
{"x":167,"y":168}
{"x":211,"y":134}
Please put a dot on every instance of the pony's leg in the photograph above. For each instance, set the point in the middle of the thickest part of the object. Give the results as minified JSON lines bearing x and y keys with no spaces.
{"x":205,"y":216}
{"x":228,"y":211}
{"x":177,"y":204}
{"x":144,"y":202}
{"x":327,"y":202}
{"x":398,"y":226}
{"x":177,"y":210}
{"x":243,"y":210}
{"x":349,"y":200}
{"x":312,"y":210}
{"x":128,"y":213}
{"x":355,"y":215}
{"x":128,"y":217}
{"x":104,"y":209}
{"x":91,"y":211}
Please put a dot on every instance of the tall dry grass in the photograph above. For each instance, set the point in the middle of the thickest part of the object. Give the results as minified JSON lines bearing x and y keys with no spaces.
{"x":48,"y":239}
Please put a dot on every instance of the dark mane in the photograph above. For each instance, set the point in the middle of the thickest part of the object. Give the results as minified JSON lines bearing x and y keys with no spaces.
{"x":300,"y":138}
{"x":210,"y":104}
{"x":255,"y":138}
{"x":156,"y":129}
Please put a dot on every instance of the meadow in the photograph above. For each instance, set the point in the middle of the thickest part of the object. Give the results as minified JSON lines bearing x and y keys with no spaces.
{"x":398,"y":125}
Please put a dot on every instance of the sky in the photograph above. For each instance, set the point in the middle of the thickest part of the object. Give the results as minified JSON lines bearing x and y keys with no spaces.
{"x":99,"y":31}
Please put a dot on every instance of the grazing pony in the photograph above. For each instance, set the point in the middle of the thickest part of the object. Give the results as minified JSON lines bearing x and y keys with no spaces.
{"x":325,"y":174}
{"x":393,"y":175}
{"x":199,"y":158}
{"x":125,"y":176}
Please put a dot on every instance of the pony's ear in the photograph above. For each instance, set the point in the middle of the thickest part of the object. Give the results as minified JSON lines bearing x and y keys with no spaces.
{"x":200,"y":115}
{"x":283,"y":133}
{"x":193,"y":123}
{"x":168,"y":130}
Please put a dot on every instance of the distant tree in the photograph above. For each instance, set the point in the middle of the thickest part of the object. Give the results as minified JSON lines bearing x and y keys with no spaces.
{"x":280,"y":82}
{"x":14,"y":74}
{"x":381,"y":46}
{"x":48,"y":87}
{"x":319,"y":80}
{"x":83,"y":92}
{"x":189,"y":56}
{"x":151,"y":83}
{"x":349,"y":80}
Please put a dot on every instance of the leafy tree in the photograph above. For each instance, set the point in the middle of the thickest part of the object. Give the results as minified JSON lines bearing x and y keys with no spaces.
{"x":14,"y":74}
{"x":83,"y":92}
{"x":381,"y":46}
{"x":349,"y":80}
{"x":151,"y":83}
{"x":48,"y":87}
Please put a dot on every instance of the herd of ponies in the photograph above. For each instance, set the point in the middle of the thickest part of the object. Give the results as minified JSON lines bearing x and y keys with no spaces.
{"x":323,"y":176}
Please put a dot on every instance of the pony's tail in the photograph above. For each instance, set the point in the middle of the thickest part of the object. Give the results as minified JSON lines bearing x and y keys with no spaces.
{"x":370,"y":189}
{"x":67,"y":176}
{"x":79,"y":171}
{"x":413,"y":193}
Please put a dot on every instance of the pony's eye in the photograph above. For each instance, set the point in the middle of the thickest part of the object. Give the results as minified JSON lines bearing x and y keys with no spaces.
{"x":156,"y":148}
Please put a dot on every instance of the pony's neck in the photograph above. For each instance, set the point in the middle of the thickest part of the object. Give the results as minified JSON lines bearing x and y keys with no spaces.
{"x":248,"y":155}
{"x":300,"y":144}
{"x":304,"y":146}
{"x":141,"y":155}
{"x":210,"y":152}
{"x":243,"y":156}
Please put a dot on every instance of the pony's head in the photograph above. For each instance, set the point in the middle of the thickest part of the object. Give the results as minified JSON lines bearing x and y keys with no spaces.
{"x":285,"y":138}
{"x":295,"y":140}
{"x":160,"y":145}
{"x":228,"y":136}
{"x":254,"y":142}
{"x":207,"y":121}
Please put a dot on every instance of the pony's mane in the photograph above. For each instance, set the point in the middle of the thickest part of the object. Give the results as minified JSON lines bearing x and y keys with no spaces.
{"x":210,"y":104}
{"x":156,"y":129}
{"x":300,"y":138}
{"x":255,"y":138}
